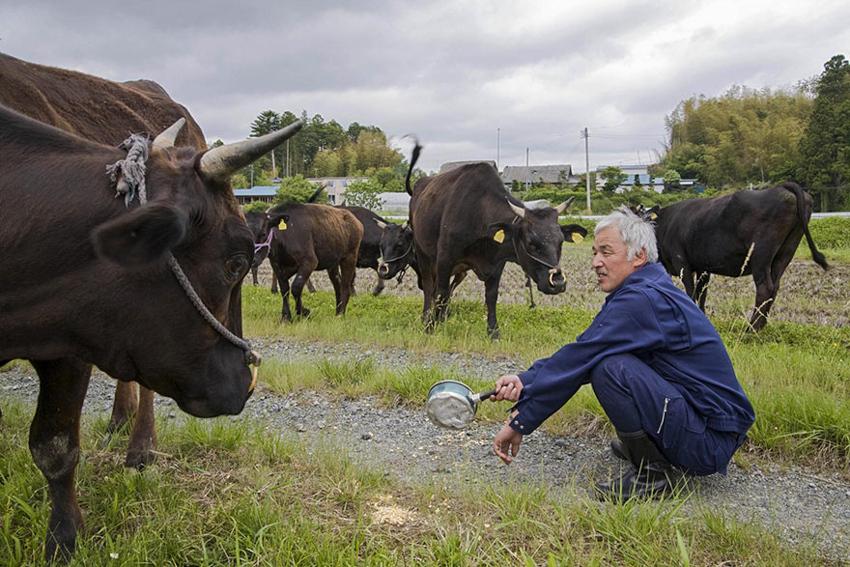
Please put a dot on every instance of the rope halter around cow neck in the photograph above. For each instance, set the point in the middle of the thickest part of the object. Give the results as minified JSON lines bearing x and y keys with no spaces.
{"x":129,"y":176}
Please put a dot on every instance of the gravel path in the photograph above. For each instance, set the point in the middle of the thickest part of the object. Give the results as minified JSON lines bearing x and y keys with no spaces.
{"x":795,"y":503}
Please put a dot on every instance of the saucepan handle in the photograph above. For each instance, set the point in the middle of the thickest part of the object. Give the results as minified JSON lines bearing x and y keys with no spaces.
{"x":485,"y":395}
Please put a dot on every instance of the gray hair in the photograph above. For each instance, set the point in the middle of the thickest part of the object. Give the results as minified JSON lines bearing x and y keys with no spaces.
{"x":636,"y":233}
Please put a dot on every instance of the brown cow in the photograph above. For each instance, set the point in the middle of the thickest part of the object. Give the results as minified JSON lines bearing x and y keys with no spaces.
{"x":147,"y":290}
{"x":309,"y":237}
{"x":102,"y":111}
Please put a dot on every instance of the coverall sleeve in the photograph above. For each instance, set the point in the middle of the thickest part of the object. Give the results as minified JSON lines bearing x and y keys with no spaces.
{"x":627,"y":324}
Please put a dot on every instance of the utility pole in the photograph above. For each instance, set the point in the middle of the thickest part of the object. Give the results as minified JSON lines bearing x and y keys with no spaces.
{"x":498,"y":146}
{"x":585,"y":135}
{"x":274,"y":169}
{"x":526,"y":168}
{"x":288,"y":171}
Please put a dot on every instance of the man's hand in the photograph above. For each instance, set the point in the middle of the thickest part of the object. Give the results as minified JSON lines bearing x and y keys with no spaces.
{"x":508,"y":387}
{"x":506,"y":443}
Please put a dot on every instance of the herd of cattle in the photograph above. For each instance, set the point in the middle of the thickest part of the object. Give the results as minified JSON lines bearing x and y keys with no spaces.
{"x":86,"y":279}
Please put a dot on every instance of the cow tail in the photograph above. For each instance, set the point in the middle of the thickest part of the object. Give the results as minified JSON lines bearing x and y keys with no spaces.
{"x":414,"y":157}
{"x":819,"y":258}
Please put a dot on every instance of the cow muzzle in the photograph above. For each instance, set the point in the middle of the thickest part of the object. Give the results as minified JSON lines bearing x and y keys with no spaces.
{"x":383,"y":269}
{"x":556,"y":278}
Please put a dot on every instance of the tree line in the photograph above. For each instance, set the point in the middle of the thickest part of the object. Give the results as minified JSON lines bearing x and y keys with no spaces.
{"x":760,"y":137}
{"x":324,"y":149}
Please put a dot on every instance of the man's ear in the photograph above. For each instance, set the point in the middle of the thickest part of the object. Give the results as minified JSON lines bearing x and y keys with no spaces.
{"x":573,"y":232}
{"x":500,"y":231}
{"x":142,"y":236}
{"x":640,"y":259}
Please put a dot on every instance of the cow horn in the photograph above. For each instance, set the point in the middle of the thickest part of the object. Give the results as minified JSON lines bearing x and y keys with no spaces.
{"x":167,"y":137}
{"x":518,"y":211}
{"x":563,"y":206}
{"x":223,"y":161}
{"x":381,"y":224}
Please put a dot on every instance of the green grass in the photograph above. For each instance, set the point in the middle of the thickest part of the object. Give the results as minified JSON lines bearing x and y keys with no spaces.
{"x":227,"y":492}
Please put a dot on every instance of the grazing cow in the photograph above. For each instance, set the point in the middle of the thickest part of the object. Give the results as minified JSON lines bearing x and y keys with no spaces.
{"x":464,"y":219}
{"x":146,"y":287}
{"x":370,"y":246}
{"x":101,"y":111}
{"x":748,"y":232}
{"x":309,"y":237}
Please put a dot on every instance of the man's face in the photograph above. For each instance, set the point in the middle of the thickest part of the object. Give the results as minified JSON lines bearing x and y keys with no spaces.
{"x":610,"y":259}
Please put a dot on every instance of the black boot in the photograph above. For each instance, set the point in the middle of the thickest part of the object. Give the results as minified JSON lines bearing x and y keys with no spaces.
{"x":650,"y":476}
{"x":619,"y":450}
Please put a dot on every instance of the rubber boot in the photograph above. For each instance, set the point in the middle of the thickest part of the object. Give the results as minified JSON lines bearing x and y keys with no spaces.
{"x":650,"y":475}
{"x":619,"y":450}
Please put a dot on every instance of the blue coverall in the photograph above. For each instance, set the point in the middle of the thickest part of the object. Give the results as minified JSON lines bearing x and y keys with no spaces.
{"x":658,"y":365}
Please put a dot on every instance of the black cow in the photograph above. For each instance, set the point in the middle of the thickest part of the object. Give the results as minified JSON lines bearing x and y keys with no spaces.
{"x":258,"y":223}
{"x":309,"y":237}
{"x":103,"y":289}
{"x":465,"y":220}
{"x":370,"y":246}
{"x":748,"y":232}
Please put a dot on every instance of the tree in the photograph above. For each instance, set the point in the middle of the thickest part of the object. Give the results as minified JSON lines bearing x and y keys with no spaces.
{"x":266,"y":122}
{"x":364,"y":194}
{"x":255,"y":207}
{"x":614,"y":176}
{"x":824,"y":164}
{"x":296,"y":189}
{"x":672,"y":180}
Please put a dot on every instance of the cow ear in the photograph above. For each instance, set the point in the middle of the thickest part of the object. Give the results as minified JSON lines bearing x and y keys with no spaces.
{"x":573,"y":232}
{"x":500,"y":231}
{"x":141,"y":237}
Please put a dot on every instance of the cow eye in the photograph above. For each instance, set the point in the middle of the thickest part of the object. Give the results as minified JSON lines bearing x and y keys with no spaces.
{"x":236,"y":266}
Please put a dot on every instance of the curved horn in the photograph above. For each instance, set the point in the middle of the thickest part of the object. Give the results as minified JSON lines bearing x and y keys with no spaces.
{"x":563,"y":206}
{"x":382,"y":225}
{"x":222,"y":161}
{"x":167,"y":137}
{"x":518,"y":211}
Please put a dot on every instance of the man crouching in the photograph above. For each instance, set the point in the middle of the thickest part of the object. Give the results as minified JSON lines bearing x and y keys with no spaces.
{"x":656,"y":364}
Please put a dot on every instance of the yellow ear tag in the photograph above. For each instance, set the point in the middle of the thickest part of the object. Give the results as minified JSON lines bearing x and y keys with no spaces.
{"x":577,"y":237}
{"x":653,"y":216}
{"x":282,"y":225}
{"x":499,"y":236}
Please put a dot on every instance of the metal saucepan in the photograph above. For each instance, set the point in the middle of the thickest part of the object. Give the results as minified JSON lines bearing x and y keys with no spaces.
{"x":453,"y":404}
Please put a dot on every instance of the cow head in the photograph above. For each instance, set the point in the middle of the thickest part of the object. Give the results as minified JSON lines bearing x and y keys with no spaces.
{"x":161,"y":340}
{"x":536,"y":240}
{"x":396,"y":248}
{"x":258,"y":224}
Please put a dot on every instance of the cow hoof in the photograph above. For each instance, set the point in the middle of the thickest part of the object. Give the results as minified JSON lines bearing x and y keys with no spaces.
{"x":304,"y":313}
{"x":139,"y":459}
{"x":495,"y":335}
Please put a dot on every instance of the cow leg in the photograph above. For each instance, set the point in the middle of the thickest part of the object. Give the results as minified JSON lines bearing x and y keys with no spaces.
{"x":124,"y":405}
{"x":274,"y":278}
{"x":54,"y":442}
{"x":379,"y":286}
{"x":427,"y":279}
{"x":687,"y":276}
{"x":531,"y":304}
{"x":298,"y":288}
{"x":491,"y":296}
{"x":456,"y":281}
{"x":701,"y":288}
{"x":336,"y":282}
{"x":310,"y":287}
{"x":143,"y":434}
{"x":283,"y":280}
{"x":348,"y":271}
{"x":443,"y":290}
{"x":765,"y":295}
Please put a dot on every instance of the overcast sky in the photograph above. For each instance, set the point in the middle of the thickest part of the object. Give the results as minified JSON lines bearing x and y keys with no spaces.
{"x":451,"y":72}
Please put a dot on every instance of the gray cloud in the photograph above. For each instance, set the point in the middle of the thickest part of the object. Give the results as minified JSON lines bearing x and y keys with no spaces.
{"x":451,"y":72}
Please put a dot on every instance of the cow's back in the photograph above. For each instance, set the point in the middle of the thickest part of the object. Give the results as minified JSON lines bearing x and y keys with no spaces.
{"x":716,"y":235}
{"x":327,"y":232}
{"x":93,"y":108}
{"x":458,"y":205}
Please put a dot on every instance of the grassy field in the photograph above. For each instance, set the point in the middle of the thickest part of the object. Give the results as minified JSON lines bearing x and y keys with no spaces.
{"x":225,"y":492}
{"x":797,"y":375}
